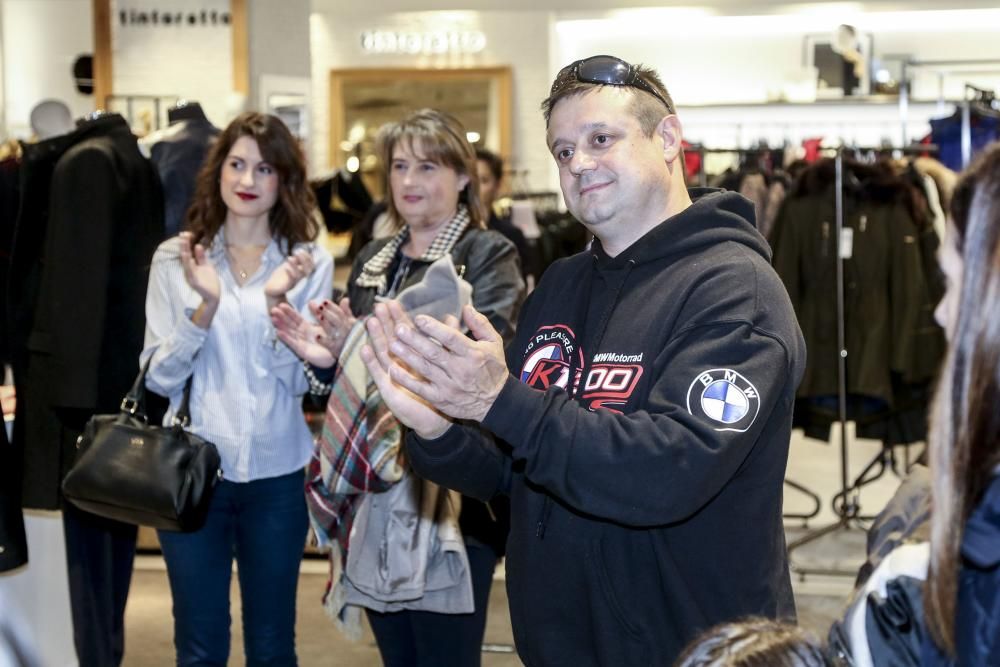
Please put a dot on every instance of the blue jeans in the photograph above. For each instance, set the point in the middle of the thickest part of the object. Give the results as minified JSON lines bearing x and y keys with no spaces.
{"x":263,"y":524}
{"x":427,"y":639}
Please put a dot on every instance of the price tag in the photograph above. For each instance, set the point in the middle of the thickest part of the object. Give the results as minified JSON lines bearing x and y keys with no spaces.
{"x":846,"y":243}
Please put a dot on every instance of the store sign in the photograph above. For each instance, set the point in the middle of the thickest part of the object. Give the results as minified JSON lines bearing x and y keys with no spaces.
{"x":173,"y":18}
{"x":427,"y":43}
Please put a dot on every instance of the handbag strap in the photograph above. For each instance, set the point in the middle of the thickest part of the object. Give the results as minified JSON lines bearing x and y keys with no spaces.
{"x":134,"y":402}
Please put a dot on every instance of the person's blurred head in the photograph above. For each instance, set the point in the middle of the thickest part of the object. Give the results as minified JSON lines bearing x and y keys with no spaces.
{"x":755,"y":642}
{"x":489,"y":167}
{"x":255,"y":166}
{"x":430,"y":169}
{"x":964,"y":439}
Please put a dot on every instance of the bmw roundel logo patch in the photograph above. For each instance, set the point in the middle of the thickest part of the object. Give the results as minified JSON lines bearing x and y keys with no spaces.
{"x":724,"y":397}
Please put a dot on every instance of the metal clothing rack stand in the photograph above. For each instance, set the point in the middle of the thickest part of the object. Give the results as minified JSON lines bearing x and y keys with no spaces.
{"x":847,"y":511}
{"x":886,"y":458}
{"x":846,"y":503}
{"x":944,"y":68}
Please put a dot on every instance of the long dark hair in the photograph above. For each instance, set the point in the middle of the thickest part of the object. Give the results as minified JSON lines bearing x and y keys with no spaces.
{"x":965,"y":419}
{"x":441,"y":139}
{"x":291,"y":219}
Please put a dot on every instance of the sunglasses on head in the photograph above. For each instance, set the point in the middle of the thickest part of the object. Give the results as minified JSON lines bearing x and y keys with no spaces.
{"x":605,"y":70}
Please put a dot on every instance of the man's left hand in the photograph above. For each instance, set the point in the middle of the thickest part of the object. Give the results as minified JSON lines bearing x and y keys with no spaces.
{"x":459,"y":376}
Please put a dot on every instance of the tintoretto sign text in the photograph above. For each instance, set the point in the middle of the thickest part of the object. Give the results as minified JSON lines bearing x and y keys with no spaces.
{"x":172,"y":18}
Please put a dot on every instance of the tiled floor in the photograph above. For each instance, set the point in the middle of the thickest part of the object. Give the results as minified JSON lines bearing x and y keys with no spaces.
{"x":820,"y":598}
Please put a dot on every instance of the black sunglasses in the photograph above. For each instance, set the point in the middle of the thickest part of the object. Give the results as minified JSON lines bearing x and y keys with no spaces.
{"x":605,"y":70}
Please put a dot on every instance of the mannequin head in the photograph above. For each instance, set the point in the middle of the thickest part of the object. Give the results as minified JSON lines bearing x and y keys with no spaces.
{"x":50,"y":118}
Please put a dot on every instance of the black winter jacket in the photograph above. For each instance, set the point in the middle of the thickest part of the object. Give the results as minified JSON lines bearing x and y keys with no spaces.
{"x":646,"y":492}
{"x":889,"y":298}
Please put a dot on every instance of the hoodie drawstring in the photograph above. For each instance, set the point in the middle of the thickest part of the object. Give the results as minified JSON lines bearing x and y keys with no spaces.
{"x":602,"y":327}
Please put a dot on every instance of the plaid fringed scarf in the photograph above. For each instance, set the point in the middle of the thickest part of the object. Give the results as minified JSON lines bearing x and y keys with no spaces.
{"x":374,"y":270}
{"x":357,"y":452}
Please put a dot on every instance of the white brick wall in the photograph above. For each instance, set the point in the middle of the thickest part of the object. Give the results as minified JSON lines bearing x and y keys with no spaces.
{"x":194,"y":62}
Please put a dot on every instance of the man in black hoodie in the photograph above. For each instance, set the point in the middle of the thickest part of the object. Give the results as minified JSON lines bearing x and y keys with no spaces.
{"x":640,"y":421}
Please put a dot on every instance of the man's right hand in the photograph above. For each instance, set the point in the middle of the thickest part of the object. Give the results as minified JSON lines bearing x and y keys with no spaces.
{"x":407,"y":407}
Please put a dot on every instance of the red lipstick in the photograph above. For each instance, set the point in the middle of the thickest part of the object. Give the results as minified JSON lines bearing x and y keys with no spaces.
{"x":246,"y":196}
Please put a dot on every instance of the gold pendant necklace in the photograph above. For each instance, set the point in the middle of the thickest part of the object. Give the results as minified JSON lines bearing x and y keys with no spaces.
{"x":239,"y":268}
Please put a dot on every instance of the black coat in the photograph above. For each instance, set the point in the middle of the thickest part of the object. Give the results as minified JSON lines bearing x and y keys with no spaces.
{"x":90,"y":219}
{"x":13,"y":546}
{"x":13,"y":549}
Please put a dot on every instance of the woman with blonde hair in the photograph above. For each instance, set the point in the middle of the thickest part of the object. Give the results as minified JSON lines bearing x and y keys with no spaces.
{"x":435,"y":210}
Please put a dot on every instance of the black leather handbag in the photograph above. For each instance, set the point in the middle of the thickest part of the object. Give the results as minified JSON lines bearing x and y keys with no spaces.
{"x":129,"y":470}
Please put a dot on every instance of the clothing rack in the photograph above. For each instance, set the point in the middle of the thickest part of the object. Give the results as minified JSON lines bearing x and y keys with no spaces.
{"x":846,"y":503}
{"x":912,"y":149}
{"x":980,"y":94}
{"x":947,"y":68}
{"x":702,"y":150}
{"x":847,"y":511}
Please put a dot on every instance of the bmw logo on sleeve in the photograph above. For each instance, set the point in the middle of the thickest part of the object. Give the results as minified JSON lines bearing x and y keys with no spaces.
{"x":724,"y":397}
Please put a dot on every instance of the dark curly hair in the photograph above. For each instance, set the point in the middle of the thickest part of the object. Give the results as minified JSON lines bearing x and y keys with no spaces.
{"x":291,"y":219}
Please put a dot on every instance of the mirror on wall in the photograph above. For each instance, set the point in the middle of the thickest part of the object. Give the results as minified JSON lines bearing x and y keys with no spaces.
{"x":362,"y":100}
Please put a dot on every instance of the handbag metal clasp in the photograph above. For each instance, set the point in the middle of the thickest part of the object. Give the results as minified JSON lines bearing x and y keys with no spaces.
{"x":183,"y":423}
{"x":129,"y":405}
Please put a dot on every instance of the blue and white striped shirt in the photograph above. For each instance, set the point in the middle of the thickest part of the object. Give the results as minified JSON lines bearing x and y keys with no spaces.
{"x":246,"y":396}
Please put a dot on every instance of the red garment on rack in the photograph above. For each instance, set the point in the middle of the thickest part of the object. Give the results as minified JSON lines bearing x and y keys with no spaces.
{"x":692,"y":164}
{"x":812,"y":147}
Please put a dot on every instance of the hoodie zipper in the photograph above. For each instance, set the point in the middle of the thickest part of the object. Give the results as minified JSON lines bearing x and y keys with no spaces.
{"x":602,"y":327}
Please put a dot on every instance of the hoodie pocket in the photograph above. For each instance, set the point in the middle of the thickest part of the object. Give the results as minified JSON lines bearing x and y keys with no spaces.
{"x":623,"y":644}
